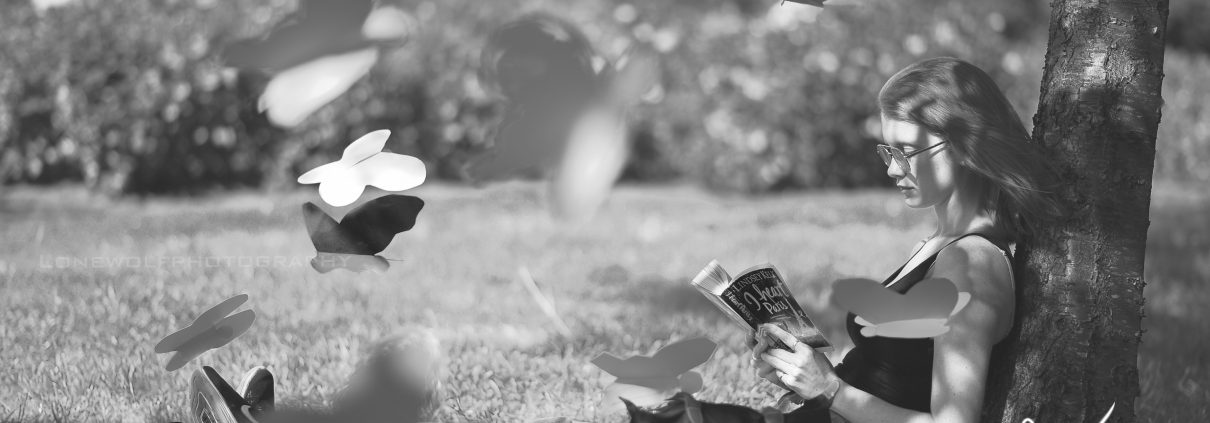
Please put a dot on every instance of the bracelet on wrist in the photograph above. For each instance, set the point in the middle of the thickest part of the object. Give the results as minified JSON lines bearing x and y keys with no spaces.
{"x":829,"y":395}
{"x":822,"y":401}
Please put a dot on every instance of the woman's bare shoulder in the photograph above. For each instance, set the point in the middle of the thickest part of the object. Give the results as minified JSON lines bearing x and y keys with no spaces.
{"x":978,"y":267}
{"x":975,"y":264}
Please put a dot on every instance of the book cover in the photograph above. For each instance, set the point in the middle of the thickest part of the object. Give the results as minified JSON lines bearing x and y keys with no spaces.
{"x":757,"y":296}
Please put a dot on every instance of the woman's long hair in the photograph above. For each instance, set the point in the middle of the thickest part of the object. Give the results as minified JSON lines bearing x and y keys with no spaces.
{"x":960,"y":103}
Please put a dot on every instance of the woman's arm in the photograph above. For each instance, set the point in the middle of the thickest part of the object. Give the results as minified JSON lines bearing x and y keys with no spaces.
{"x":960,"y":356}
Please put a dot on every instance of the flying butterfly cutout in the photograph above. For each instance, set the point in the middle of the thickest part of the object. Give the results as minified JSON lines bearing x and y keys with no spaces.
{"x":364,"y":163}
{"x":317,"y":53}
{"x":354,"y":242}
{"x":923,"y":312}
{"x":212,"y":329}
{"x":566,"y":111}
{"x":648,"y":381}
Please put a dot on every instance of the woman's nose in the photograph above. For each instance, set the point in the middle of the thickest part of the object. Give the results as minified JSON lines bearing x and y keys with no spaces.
{"x":895,"y":171}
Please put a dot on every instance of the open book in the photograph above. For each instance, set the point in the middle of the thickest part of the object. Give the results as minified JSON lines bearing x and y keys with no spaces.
{"x":757,"y":296}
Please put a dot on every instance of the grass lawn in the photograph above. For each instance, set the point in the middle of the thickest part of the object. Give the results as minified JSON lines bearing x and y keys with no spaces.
{"x":84,"y":295}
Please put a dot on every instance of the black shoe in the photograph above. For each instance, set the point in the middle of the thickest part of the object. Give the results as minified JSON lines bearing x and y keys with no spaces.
{"x":257,"y":390}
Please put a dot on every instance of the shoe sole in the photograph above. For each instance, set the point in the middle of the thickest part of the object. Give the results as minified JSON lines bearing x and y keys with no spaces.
{"x":242,"y":389}
{"x":211,"y":399}
{"x":247,"y":383}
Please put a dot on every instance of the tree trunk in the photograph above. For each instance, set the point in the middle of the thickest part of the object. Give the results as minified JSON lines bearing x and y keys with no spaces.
{"x":1074,"y":349}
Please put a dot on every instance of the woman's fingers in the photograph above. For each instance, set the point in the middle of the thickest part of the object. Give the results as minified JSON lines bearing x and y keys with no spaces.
{"x":762,"y":344}
{"x":770,"y":374}
{"x":766,"y":372}
{"x":796,"y":358}
{"x":780,"y":334}
{"x":779,"y":363}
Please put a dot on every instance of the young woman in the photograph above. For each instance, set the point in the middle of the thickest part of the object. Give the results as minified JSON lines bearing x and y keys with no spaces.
{"x":953,"y":144}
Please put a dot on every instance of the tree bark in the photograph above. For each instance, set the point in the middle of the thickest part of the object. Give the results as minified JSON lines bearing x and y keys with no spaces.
{"x":1074,"y":348}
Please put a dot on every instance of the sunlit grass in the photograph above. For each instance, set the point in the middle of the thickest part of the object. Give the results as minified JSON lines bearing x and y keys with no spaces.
{"x":85,"y":294}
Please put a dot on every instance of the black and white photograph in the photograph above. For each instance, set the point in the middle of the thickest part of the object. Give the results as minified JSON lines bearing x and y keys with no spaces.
{"x":580,"y":211}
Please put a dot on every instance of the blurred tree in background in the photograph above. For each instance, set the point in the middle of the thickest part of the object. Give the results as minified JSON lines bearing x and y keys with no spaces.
{"x":130,"y":96}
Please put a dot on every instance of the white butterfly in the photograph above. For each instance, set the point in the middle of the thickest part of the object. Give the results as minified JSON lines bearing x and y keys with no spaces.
{"x":597,"y":147}
{"x":41,"y":6}
{"x":316,"y":58}
{"x":913,"y":328}
{"x":364,"y":163}
{"x":295,"y":93}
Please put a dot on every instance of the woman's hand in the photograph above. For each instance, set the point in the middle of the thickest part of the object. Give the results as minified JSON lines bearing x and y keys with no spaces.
{"x":764,"y":370}
{"x":805,"y":371}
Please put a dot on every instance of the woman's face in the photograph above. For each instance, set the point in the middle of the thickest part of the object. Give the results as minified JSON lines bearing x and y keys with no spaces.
{"x":932,"y":175}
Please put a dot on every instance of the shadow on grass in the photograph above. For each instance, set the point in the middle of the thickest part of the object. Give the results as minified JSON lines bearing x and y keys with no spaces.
{"x":667,"y":296}
{"x":1173,"y":359}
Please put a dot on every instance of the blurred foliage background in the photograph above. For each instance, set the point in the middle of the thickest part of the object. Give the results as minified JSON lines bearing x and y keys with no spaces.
{"x":131,"y":97}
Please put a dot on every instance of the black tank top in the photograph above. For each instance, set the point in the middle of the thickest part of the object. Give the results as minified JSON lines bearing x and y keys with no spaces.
{"x":897,"y":370}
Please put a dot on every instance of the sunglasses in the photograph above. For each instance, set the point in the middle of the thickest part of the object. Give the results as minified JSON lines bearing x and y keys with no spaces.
{"x":888,"y":153}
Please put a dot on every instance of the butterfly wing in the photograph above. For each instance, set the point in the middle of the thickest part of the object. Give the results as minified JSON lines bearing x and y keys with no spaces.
{"x":682,"y":356}
{"x":214,"y":337}
{"x":336,"y":15}
{"x":319,"y":174}
{"x":295,"y":93}
{"x":929,"y":299}
{"x":363,"y":163}
{"x":375,"y":223}
{"x":866,"y":298}
{"x":592,"y":161}
{"x":615,"y":366}
{"x":528,"y":139}
{"x":908,"y":329}
{"x":663,"y":367}
{"x":816,"y":3}
{"x":536,"y":58}
{"x":202,"y":323}
{"x":365,"y":146}
{"x":233,"y":327}
{"x":330,"y":237}
{"x":318,"y":28}
{"x":327,"y":262}
{"x":391,"y":172}
{"x":691,"y":382}
{"x":343,"y":188}
{"x":387,"y":24}
{"x":637,"y":73}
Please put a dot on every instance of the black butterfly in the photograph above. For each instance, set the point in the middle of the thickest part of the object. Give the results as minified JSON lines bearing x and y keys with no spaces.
{"x":364,"y":232}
